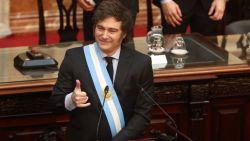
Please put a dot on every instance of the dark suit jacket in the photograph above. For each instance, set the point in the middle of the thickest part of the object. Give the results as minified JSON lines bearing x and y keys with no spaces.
{"x":133,"y":68}
{"x":187,"y":5}
{"x":194,"y":14}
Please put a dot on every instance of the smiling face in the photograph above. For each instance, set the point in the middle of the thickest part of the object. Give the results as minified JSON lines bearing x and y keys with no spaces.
{"x":109,"y":35}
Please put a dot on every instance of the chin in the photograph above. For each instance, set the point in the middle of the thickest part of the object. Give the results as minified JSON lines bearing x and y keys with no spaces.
{"x":104,"y":47}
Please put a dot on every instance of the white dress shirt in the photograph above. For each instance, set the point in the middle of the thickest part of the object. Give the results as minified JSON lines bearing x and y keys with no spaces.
{"x":165,"y":1}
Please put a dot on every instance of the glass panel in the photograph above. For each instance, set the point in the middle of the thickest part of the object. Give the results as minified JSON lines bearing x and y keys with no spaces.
{"x":8,"y":72}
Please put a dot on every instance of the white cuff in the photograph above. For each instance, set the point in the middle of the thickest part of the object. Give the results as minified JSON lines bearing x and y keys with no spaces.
{"x":91,"y":2}
{"x":69,"y":105}
{"x":165,"y":1}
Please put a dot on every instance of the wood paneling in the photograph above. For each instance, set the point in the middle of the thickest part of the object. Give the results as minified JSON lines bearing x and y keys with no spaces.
{"x":228,"y":123}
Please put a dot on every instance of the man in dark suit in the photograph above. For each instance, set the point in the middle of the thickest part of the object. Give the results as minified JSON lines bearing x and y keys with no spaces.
{"x":201,"y":15}
{"x":89,"y":6}
{"x":88,"y":91}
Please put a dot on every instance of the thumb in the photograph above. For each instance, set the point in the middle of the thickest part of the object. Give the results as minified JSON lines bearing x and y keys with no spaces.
{"x":78,"y":85}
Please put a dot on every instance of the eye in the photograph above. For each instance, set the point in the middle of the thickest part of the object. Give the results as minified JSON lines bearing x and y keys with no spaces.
{"x":112,"y":30}
{"x":100,"y":28}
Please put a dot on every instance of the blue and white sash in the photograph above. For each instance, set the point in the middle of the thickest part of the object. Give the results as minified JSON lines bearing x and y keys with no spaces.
{"x":101,"y":79}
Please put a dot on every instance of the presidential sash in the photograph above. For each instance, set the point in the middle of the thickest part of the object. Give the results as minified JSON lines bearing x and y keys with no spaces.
{"x":112,"y":107}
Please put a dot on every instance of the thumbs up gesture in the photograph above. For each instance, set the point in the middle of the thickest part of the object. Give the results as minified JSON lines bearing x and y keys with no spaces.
{"x":79,"y":98}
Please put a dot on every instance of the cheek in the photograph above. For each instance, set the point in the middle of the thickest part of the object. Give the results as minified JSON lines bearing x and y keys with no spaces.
{"x":119,"y":36}
{"x":96,"y":33}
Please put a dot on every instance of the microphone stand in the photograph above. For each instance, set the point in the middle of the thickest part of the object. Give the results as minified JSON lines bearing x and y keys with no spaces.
{"x":106,"y":90}
{"x":164,"y":137}
{"x":100,"y":116}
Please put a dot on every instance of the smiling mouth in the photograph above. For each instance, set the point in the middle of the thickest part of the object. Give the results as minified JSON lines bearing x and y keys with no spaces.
{"x":104,"y":42}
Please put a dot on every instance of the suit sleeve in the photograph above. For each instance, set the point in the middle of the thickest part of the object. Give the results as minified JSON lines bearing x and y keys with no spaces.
{"x":97,"y":2}
{"x":64,"y":84}
{"x":142,"y":111}
{"x":157,"y":3}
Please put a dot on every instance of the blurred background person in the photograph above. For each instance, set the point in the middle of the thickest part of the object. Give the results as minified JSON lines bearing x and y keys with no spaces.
{"x":201,"y":15}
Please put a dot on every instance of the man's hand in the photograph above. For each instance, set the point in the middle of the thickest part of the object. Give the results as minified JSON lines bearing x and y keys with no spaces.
{"x":172,"y":13}
{"x":79,"y":98}
{"x":86,"y":5}
{"x":217,"y":9}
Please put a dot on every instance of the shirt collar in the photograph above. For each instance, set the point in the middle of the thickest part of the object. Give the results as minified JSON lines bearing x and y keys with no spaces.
{"x":115,"y":55}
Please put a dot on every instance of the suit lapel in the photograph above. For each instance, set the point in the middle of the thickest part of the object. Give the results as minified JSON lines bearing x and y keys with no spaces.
{"x":122,"y":71}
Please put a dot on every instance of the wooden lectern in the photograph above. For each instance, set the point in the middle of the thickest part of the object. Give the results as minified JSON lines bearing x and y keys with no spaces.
{"x":172,"y":134}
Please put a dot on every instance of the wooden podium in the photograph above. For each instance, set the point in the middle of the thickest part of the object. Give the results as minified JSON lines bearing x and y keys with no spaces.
{"x":172,"y":134}
{"x":200,"y":98}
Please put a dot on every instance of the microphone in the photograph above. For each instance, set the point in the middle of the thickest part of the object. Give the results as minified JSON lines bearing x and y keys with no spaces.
{"x":163,"y":137}
{"x":106,"y":90}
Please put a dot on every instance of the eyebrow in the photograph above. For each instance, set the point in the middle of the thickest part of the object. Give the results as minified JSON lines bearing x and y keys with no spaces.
{"x":110,"y":29}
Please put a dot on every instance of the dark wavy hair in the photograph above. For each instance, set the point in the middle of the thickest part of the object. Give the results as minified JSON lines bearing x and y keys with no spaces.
{"x":114,"y":8}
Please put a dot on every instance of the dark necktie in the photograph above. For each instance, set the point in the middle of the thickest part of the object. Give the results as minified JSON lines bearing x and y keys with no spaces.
{"x":110,"y":67}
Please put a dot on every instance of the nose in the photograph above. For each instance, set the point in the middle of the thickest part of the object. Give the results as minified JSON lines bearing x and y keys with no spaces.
{"x":105,"y":34}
